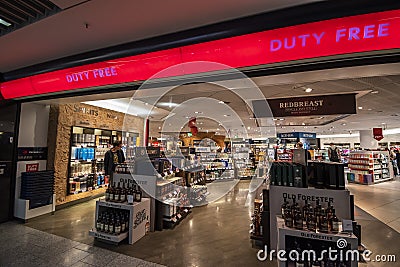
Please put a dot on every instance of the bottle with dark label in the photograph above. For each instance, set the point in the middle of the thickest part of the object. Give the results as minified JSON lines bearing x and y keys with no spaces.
{"x":288,"y":218}
{"x":284,"y":207}
{"x":305,"y":210}
{"x":112,"y":192}
{"x":98,"y":223}
{"x":298,"y":220}
{"x":117,"y":194}
{"x":107,"y":224}
{"x":108,"y":193}
{"x":323,"y":221}
{"x":317,"y":212}
{"x":334,"y":223}
{"x":122,"y":197}
{"x":329,"y":211}
{"x":295,"y":206}
{"x":117,"y":227}
{"x":311,"y":222}
{"x":138,"y":194}
{"x":130,"y":195}
{"x":112,"y":225}
{"x":300,"y":262}
{"x":123,"y":224}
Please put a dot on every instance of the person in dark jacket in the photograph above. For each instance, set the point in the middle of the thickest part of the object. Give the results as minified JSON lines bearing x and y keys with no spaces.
{"x":112,"y":158}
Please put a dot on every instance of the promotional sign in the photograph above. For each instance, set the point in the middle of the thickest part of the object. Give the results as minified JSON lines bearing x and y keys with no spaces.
{"x":378,"y":133}
{"x":33,"y":167}
{"x":361,"y":33}
{"x":32,"y":153}
{"x":309,"y":105}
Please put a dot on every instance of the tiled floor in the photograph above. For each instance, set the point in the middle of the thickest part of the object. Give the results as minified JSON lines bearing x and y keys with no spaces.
{"x":381,"y":201}
{"x":213,"y":235}
{"x":24,"y":246}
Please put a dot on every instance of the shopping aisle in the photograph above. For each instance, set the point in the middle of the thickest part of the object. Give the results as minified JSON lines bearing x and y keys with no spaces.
{"x":213,"y":235}
{"x":380,"y":200}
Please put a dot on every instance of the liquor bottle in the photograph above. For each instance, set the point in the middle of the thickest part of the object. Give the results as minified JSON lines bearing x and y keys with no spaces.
{"x":130,"y":195}
{"x":112,"y":192}
{"x":334,"y":223}
{"x":98,"y":223}
{"x":329,"y":211}
{"x":288,"y":218}
{"x":147,"y":226}
{"x":122,"y":197}
{"x":311,"y":222}
{"x":117,"y":228}
{"x":317,"y":212}
{"x":123,"y":225}
{"x":102,"y":223}
{"x":300,"y":261}
{"x":138,"y":194}
{"x":323,"y":222}
{"x":283,"y":207}
{"x":107,"y":224}
{"x":108,"y":193}
{"x":298,"y":220}
{"x":117,"y":193}
{"x":112,"y":225}
{"x":305,"y":210}
{"x":294,"y":206}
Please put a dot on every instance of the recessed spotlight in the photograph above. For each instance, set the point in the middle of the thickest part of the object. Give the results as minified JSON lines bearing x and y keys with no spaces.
{"x":344,"y":124}
{"x":198,"y":112}
{"x":281,"y":119}
{"x":321,"y":117}
{"x":218,"y":129}
{"x":248,"y":128}
{"x":375,"y":92}
{"x":278,"y":124}
{"x":303,"y":124}
{"x":360,"y":107}
{"x":308,"y":90}
{"x":221,"y":102}
{"x":226,"y":115}
{"x":383,"y":122}
{"x":275,"y":119}
{"x":146,"y":104}
{"x":369,"y":109}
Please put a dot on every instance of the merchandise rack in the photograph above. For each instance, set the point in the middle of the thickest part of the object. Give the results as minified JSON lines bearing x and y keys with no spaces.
{"x":369,"y":167}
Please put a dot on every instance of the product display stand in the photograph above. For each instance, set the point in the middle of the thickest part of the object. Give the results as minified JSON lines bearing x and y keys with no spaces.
{"x":285,"y":235}
{"x":138,"y":212}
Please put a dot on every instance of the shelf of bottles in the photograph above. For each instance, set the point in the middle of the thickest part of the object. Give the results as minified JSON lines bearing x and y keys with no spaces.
{"x":117,"y":220}
{"x":368,"y":167}
{"x":314,"y":219}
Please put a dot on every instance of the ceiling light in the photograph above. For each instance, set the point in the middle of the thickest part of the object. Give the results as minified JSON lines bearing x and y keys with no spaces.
{"x":278,"y":124}
{"x":383,"y":122}
{"x":344,"y":124}
{"x":321,"y":117}
{"x":226,"y":115}
{"x":303,"y":123}
{"x":221,"y":102}
{"x":360,"y":107}
{"x":167,"y":104}
{"x":198,"y":112}
{"x":369,"y":109}
{"x":374,"y":92}
{"x":275,"y":119}
{"x":218,"y":129}
{"x":5,"y":23}
{"x":248,"y":128}
{"x":281,"y":119}
{"x":308,"y":90}
{"x":146,"y":104}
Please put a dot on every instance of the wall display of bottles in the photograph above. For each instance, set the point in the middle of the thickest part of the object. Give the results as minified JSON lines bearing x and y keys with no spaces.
{"x":369,"y":167}
{"x":115,"y":222}
{"x":88,"y":147}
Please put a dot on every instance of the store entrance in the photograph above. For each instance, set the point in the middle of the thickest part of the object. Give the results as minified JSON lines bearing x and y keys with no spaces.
{"x":8,"y":116}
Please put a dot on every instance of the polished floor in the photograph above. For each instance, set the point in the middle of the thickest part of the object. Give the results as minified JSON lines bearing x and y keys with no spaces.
{"x":218,"y":234}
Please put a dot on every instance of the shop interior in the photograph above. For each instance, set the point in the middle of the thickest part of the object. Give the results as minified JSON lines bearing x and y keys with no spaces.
{"x":207,"y":138}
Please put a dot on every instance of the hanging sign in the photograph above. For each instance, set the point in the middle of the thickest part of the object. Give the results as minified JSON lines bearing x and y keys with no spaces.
{"x":378,"y":133}
{"x":307,"y":106}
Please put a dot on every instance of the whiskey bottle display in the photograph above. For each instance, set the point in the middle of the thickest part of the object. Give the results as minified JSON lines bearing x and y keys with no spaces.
{"x":138,"y":194}
{"x":298,"y":220}
{"x":323,"y":222}
{"x":334,"y":223}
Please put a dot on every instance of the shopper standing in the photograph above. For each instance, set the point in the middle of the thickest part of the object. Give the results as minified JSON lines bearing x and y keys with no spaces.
{"x":333,"y":153}
{"x":398,"y":160}
{"x":112,"y":158}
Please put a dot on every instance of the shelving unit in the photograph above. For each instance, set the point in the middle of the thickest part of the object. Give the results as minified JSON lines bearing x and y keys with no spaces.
{"x":138,"y":212}
{"x":369,"y":167}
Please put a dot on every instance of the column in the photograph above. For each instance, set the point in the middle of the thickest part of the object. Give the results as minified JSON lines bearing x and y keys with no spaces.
{"x":367,"y":140}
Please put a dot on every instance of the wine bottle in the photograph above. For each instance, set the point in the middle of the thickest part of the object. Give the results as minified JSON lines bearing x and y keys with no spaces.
{"x":138,"y":194}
